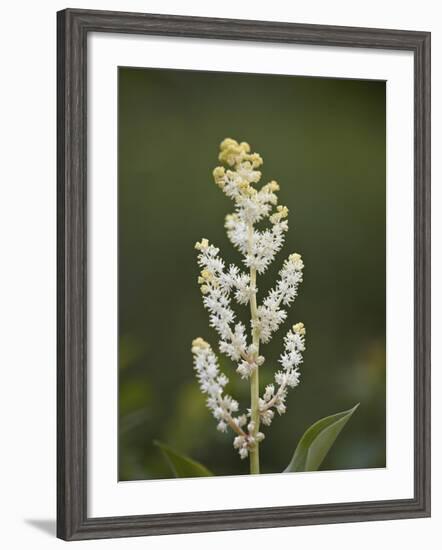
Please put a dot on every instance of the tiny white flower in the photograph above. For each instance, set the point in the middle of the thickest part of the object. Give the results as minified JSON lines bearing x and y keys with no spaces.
{"x":243,"y":452}
{"x":251,"y":426}
{"x":268,"y":394}
{"x":267,"y":417}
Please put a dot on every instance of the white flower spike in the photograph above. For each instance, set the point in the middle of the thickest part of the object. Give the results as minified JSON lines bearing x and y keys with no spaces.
{"x":220,"y":283}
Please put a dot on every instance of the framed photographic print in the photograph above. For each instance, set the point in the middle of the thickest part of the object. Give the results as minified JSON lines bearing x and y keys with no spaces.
{"x":243,"y":274}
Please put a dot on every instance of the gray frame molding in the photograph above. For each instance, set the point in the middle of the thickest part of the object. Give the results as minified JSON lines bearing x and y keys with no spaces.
{"x":73,"y":27}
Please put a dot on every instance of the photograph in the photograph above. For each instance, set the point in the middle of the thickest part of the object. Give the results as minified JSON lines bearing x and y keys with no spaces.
{"x":251,"y":274}
{"x":226,"y":217}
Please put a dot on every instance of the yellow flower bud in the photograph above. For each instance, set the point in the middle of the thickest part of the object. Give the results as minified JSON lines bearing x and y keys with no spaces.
{"x":273,"y":186}
{"x":199,"y":344}
{"x":299,"y":328}
{"x":218,"y":175}
{"x":202,"y":245}
{"x":296,"y":259}
{"x":256,"y":160}
{"x":227,"y":143}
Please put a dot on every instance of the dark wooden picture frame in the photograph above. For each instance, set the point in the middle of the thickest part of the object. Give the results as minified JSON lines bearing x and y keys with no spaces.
{"x":73,"y":28}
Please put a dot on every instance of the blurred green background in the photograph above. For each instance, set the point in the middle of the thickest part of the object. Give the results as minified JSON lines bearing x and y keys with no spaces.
{"x":323,"y":140}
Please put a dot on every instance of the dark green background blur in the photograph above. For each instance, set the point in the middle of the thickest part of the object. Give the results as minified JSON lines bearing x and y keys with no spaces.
{"x":323,"y":140}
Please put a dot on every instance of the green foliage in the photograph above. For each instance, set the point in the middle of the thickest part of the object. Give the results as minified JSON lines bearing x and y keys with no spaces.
{"x":317,"y":441}
{"x":181,"y":465}
{"x":308,"y":456}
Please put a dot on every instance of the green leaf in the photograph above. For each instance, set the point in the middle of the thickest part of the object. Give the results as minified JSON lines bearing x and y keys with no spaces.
{"x":317,"y":441}
{"x":181,"y":465}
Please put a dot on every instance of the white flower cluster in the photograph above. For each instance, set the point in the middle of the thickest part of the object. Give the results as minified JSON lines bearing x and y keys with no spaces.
{"x":222,"y":406}
{"x":219,"y":283}
{"x":251,"y":206}
{"x":288,"y":377}
{"x":270,"y":313}
{"x":216,"y":286}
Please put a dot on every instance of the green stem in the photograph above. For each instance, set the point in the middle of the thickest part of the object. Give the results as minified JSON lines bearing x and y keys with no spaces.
{"x":254,"y":391}
{"x":254,"y":379}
